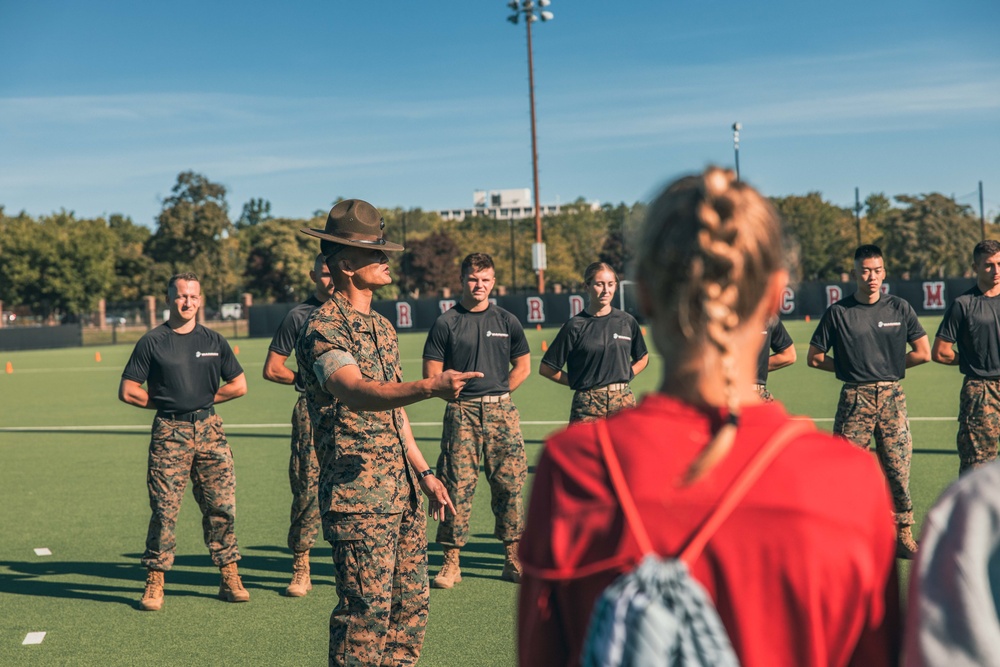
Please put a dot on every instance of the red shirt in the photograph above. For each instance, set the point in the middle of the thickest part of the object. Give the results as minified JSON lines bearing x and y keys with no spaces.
{"x":803,"y":572}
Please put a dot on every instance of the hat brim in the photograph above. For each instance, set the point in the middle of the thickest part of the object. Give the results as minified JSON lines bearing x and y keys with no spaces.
{"x":322,"y":234}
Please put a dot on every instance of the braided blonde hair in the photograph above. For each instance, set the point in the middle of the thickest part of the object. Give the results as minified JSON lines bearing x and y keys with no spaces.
{"x":709,"y":247}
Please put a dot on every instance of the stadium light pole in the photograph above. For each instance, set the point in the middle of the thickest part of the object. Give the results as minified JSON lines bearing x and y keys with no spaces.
{"x":533,"y":12}
{"x":736,"y":146}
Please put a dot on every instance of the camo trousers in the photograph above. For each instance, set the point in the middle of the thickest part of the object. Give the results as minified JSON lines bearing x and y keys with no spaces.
{"x":978,"y":423}
{"x":380,"y":564}
{"x":490,"y":432}
{"x":591,"y":404}
{"x":303,"y":474}
{"x":762,"y":391}
{"x":879,"y":409}
{"x":178,"y":450}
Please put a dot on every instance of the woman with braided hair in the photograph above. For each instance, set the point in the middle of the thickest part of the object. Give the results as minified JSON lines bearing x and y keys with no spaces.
{"x":802,"y":571}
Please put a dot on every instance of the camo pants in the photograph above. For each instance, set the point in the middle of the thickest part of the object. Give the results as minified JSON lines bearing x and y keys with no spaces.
{"x":978,"y":423}
{"x":491,"y":433}
{"x":303,"y":474}
{"x":199,"y":450}
{"x":762,"y":391}
{"x":380,"y":564}
{"x":879,"y":409}
{"x":591,"y":404}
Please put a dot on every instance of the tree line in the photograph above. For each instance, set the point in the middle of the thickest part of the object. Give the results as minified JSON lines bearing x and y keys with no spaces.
{"x":58,"y":264}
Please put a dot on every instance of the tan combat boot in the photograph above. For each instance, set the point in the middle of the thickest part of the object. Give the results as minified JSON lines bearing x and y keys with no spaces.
{"x":906,"y":546}
{"x":511,"y":563}
{"x":152,"y":598}
{"x":450,"y":573}
{"x":231,"y":589}
{"x":301,"y":583}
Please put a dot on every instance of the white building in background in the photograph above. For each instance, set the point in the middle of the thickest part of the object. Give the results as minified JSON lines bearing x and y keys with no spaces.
{"x":513,"y":204}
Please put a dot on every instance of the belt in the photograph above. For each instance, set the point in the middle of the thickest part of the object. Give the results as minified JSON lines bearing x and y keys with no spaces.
{"x":871,"y":384}
{"x":615,"y":386}
{"x":193,"y":416}
{"x":500,"y":398}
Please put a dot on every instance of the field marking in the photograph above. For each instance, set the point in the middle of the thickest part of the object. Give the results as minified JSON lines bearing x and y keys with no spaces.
{"x":33,"y":638}
{"x":43,"y":551}
{"x":132,"y":427}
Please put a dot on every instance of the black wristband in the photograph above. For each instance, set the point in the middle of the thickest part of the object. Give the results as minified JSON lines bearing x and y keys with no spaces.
{"x":426,"y":473}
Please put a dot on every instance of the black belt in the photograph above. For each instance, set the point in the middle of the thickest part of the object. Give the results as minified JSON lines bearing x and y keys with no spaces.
{"x":193,"y":416}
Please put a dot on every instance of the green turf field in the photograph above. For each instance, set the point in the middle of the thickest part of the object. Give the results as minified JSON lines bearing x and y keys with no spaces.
{"x":73,"y":481}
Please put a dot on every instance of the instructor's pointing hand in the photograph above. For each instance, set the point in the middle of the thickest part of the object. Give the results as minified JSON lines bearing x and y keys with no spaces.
{"x":449,"y":384}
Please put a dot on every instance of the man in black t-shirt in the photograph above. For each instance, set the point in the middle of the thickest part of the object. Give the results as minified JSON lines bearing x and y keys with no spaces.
{"x":180,"y":363}
{"x":482,"y":423}
{"x":868,"y":333}
{"x":303,"y":467}
{"x":778,"y":352}
{"x":972,"y":322}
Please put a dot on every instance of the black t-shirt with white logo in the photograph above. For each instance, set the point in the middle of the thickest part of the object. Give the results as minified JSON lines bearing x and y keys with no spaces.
{"x":973,"y":321}
{"x":283,"y":342}
{"x":868,"y":341}
{"x":485,"y":341}
{"x":182,"y":371}
{"x":597,"y":351}
{"x":776,"y":339}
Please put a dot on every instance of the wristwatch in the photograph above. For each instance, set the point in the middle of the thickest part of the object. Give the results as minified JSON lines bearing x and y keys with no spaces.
{"x":426,"y":473}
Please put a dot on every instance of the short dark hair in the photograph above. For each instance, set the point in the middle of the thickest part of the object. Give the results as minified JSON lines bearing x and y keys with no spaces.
{"x":476,"y":262}
{"x":867,"y":251}
{"x":984,"y":249}
{"x":186,"y":275}
{"x":595,"y":268}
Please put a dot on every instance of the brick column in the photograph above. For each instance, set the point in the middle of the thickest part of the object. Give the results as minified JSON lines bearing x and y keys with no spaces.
{"x":102,"y":312}
{"x":151,"y":318}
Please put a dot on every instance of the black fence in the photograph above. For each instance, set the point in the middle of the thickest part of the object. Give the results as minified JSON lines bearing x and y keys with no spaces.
{"x":40,"y":337}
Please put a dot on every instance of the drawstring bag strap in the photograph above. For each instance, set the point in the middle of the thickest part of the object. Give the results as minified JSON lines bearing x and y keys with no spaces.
{"x":727,"y":502}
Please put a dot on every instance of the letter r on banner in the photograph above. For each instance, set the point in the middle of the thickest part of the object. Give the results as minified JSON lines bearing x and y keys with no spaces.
{"x":833,"y":294}
{"x":934,"y":295}
{"x":404,"y":315}
{"x":575,"y":304}
{"x":536,"y":310}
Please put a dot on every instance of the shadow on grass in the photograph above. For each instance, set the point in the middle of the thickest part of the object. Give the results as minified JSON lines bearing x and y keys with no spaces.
{"x":485,"y":555}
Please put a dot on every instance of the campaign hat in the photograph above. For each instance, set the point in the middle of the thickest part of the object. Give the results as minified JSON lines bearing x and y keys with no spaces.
{"x":354,"y":222}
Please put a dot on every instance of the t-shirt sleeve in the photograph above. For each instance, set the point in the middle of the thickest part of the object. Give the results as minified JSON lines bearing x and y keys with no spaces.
{"x":914,"y":329}
{"x":137,"y":368}
{"x":948,"y":329}
{"x":558,"y":352}
{"x":638,"y":342}
{"x":437,"y":341}
{"x":822,"y":338}
{"x":518,"y":342}
{"x":231,"y":368}
{"x":283,"y":342}
{"x":780,"y":339}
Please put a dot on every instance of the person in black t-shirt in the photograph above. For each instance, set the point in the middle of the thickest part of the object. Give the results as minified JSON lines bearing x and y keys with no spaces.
{"x":778,"y":352}
{"x":303,"y":467}
{"x":180,"y":362}
{"x":602,"y":349}
{"x":482,"y":423}
{"x":868,"y":333}
{"x":972,"y":322}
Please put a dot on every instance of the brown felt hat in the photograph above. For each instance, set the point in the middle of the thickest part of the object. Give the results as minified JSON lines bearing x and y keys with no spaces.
{"x":355,"y":223}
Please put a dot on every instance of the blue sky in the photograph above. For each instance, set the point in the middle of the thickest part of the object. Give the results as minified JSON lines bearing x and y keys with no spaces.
{"x":412,"y":104}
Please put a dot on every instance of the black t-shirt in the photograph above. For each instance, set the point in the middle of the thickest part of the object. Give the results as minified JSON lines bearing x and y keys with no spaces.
{"x":485,"y":341}
{"x":283,"y":342}
{"x":597,"y":351}
{"x":868,"y":341}
{"x":182,"y":371}
{"x":973,"y":321}
{"x":776,"y":339}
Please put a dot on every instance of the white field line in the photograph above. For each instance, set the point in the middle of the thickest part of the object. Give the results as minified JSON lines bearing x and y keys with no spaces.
{"x":134,"y":427}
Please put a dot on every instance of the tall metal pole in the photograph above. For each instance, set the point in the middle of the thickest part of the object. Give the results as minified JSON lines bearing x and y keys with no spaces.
{"x":982,"y":213}
{"x":534,"y":151}
{"x":736,"y":146}
{"x":513,"y":263}
{"x":857,"y":213}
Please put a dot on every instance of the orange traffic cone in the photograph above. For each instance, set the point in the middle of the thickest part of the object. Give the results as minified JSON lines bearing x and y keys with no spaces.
{"x":236,"y":349}
{"x":545,"y":346}
{"x":643,"y":329}
{"x":97,"y":357}
{"x":807,"y":318}
{"x":10,"y":368}
{"x":538,"y":327}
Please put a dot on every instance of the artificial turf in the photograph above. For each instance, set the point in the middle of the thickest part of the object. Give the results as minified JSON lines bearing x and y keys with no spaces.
{"x":74,"y":482}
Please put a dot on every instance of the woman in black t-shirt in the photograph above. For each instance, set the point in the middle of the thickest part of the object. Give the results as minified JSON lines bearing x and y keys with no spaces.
{"x":602,"y":349}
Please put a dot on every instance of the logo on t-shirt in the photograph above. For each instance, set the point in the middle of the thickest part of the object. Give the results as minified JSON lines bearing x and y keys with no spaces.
{"x":623,"y":337}
{"x":889,"y":324}
{"x":497,"y":335}
{"x":206,"y":354}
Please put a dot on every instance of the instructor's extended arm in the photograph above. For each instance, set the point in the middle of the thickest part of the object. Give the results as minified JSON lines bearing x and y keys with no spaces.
{"x":944,"y":352}
{"x":816,"y":358}
{"x":356,"y":391}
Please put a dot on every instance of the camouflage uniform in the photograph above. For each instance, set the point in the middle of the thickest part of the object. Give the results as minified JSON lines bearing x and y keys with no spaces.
{"x":762,"y":391}
{"x":303,"y":474}
{"x":879,"y":409}
{"x":178,"y":449}
{"x":591,"y":404}
{"x":477,"y":430}
{"x":978,"y":423}
{"x":367,"y":495}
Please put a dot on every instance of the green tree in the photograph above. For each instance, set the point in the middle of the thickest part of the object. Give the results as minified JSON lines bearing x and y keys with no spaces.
{"x":278,"y":259}
{"x":930,"y":236}
{"x":823,"y":234}
{"x":254,"y":212}
{"x":429,"y":265}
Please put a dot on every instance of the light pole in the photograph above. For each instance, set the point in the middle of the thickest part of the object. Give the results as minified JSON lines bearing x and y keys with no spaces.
{"x":736,"y":146}
{"x":533,"y":12}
